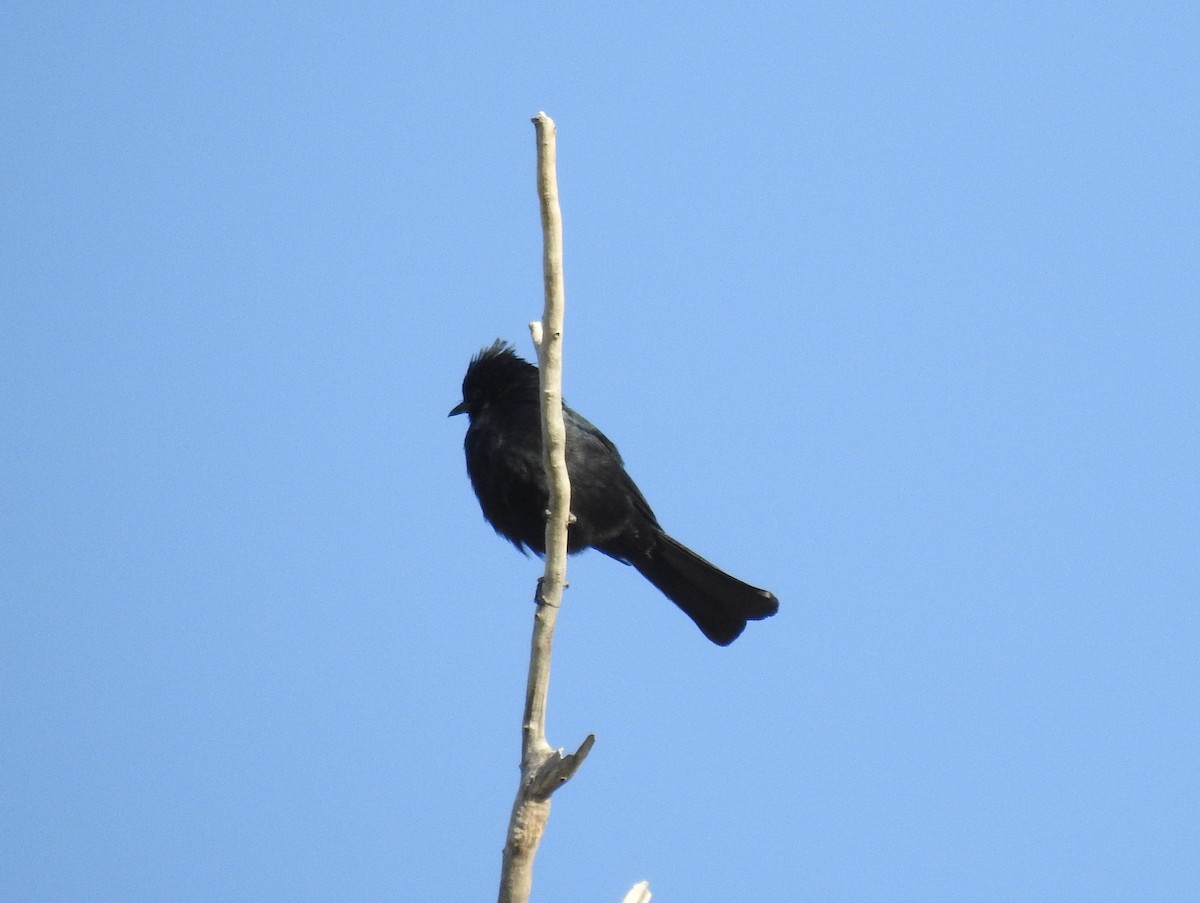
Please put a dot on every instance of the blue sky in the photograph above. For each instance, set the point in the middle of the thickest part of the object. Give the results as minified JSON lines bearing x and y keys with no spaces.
{"x":891,"y":308}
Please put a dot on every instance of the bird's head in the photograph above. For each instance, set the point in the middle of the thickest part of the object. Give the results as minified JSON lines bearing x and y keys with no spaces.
{"x":497,"y":375}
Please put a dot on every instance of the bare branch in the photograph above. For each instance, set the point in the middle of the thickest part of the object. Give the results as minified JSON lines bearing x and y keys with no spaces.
{"x":544,"y":769}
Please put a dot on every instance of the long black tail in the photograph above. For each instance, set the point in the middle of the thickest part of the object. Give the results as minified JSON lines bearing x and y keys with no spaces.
{"x":719,"y":604}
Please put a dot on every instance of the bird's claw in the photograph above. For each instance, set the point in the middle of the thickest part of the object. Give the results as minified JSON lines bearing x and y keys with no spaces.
{"x":570,"y":517}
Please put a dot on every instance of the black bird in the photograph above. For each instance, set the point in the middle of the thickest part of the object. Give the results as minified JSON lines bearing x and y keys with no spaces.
{"x":504,"y":461}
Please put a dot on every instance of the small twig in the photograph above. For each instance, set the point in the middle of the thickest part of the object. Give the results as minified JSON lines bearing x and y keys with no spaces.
{"x":558,"y":769}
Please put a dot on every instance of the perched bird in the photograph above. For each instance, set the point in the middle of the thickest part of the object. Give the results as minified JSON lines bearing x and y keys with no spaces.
{"x":504,"y":461}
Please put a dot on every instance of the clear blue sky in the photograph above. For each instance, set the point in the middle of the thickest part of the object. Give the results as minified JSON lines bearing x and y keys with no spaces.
{"x":891,"y":308}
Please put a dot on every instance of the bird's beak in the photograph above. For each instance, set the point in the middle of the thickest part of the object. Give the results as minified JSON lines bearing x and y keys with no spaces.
{"x":460,"y":408}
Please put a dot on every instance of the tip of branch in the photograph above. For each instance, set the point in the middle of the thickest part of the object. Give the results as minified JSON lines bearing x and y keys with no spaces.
{"x":639,"y":893}
{"x":584,"y":748}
